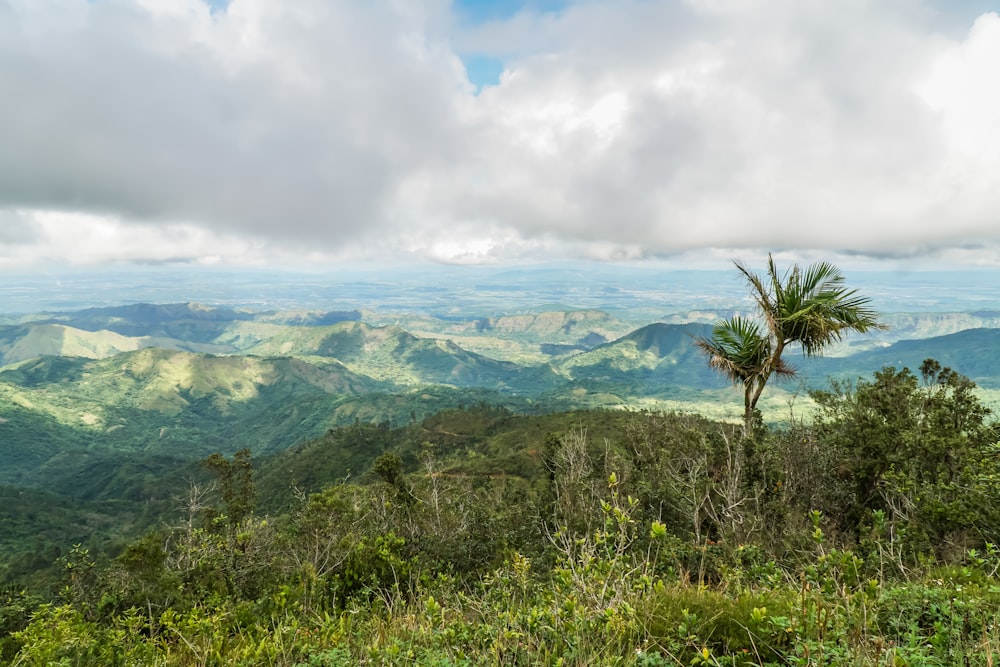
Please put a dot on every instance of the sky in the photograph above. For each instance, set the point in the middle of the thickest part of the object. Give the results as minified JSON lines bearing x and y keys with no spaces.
{"x":317,"y":132}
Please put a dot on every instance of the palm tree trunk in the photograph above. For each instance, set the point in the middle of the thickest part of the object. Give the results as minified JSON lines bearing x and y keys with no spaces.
{"x":754,"y":391}
{"x":749,"y":403}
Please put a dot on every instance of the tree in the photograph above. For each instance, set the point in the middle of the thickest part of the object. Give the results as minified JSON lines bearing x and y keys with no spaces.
{"x":921,"y":453}
{"x":235,"y":477}
{"x":807,"y":307}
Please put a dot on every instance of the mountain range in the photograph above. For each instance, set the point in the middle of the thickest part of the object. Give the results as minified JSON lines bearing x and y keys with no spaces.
{"x":185,"y":380}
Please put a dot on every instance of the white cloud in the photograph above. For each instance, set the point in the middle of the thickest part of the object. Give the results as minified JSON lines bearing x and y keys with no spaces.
{"x":957,"y":90}
{"x":17,"y":228}
{"x":80,"y":239}
{"x":618,"y":130}
{"x":273,"y":118}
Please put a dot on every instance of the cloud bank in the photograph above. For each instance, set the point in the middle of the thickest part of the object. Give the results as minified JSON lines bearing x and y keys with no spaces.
{"x":161,"y":130}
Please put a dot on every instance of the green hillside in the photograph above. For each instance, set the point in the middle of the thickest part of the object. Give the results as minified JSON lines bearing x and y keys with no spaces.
{"x":39,"y":526}
{"x":563,"y":326}
{"x":34,"y":340}
{"x":974,"y":353}
{"x":648,"y":361}
{"x":19,"y":343}
{"x":391,"y":354}
{"x":164,"y":401}
{"x":481,"y":536}
{"x":182,"y":321}
{"x":170,"y":381}
{"x":531,"y":338}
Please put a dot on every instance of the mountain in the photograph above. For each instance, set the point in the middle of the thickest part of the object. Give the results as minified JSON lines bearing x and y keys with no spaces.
{"x":650,"y":360}
{"x":900,"y":327}
{"x":312,"y":318}
{"x":663,"y":354}
{"x":391,"y":354}
{"x":164,"y":401}
{"x":550,"y":326}
{"x":973,"y":352}
{"x":181,"y":321}
{"x":28,"y":341}
{"x":169,"y":381}
{"x":530,"y":338}
{"x":188,"y":322}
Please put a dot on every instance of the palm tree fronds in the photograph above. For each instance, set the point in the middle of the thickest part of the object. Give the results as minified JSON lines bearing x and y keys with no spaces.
{"x":738,"y":349}
{"x":809,"y":307}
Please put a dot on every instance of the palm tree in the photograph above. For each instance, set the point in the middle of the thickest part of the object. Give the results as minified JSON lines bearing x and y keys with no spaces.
{"x":807,"y":307}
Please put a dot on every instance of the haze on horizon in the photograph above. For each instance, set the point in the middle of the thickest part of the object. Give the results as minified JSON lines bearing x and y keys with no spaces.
{"x":300,"y":132}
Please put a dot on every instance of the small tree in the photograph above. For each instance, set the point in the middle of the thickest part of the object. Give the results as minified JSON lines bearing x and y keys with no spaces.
{"x":235,"y":478}
{"x":924,"y":454}
{"x":807,"y":307}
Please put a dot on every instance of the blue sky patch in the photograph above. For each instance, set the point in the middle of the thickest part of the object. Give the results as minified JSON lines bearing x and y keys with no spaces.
{"x":484,"y":11}
{"x":217,"y":5}
{"x":483,"y":70}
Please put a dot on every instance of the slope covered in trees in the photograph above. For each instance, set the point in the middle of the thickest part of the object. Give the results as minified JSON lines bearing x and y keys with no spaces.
{"x":480,"y":536}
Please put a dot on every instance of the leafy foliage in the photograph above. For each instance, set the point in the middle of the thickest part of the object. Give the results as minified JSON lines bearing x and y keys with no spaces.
{"x":923,"y":454}
{"x":807,"y":307}
{"x":480,"y":536}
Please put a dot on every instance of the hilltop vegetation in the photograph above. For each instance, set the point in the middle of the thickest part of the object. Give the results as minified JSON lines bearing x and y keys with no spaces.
{"x":480,"y":536}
